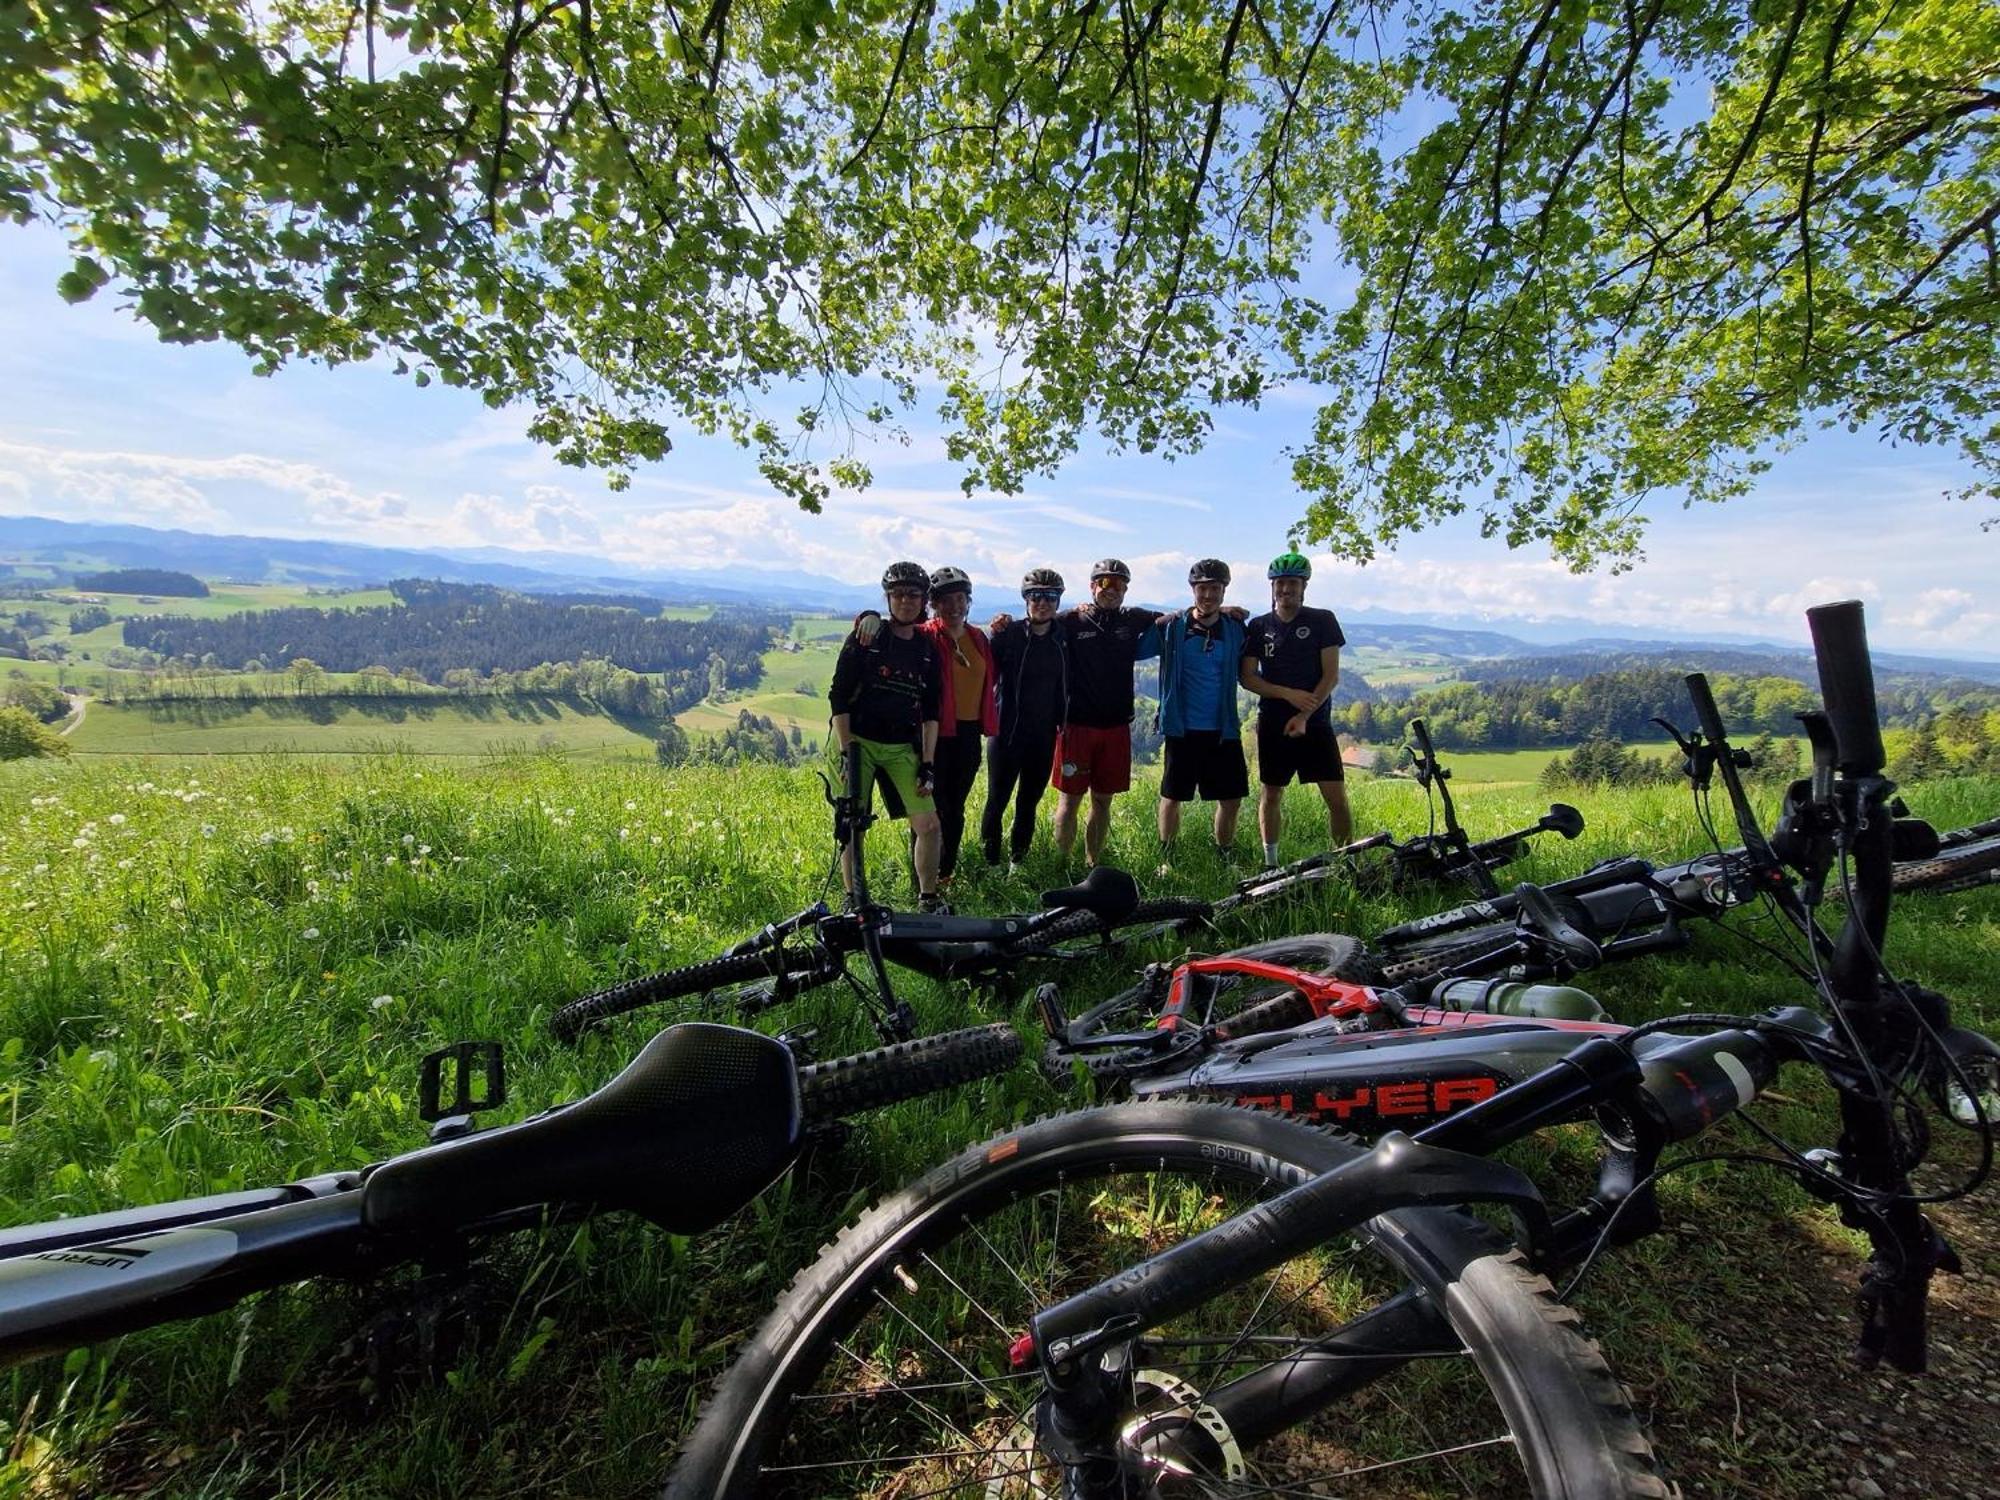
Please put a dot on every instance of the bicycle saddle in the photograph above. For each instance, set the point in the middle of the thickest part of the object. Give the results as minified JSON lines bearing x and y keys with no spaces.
{"x":699,"y":1123}
{"x":1538,"y":914}
{"x":1109,"y":894}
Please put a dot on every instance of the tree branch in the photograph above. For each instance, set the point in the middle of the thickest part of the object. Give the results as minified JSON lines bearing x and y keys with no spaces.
{"x":918,"y":16}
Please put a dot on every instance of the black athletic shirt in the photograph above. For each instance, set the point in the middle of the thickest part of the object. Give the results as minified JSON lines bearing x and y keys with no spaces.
{"x":1288,"y":654}
{"x":887,"y":689}
{"x":1031,"y":681}
{"x":1103,"y":646}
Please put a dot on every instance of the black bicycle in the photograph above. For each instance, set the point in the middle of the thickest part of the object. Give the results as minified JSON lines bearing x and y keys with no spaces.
{"x":1166,"y":1299}
{"x":817,"y":946}
{"x":698,"y":1124}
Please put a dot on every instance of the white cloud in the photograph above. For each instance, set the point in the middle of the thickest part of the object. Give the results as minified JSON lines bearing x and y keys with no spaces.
{"x":550,"y":520}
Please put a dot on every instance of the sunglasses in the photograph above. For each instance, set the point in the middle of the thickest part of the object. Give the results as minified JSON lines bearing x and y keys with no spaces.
{"x":1043,"y":596}
{"x":907,"y":594}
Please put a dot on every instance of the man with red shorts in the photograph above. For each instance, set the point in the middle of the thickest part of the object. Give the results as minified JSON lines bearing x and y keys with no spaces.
{"x":1105,"y":640}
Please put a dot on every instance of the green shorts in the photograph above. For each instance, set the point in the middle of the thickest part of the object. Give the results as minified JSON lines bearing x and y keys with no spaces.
{"x":892,"y":767}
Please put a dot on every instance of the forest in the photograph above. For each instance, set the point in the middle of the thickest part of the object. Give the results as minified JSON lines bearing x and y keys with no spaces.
{"x":1525,"y":712}
{"x":439,"y":628}
{"x":163,"y":581}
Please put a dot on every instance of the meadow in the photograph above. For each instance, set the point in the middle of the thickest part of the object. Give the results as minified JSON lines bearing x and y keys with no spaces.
{"x":222,"y":971}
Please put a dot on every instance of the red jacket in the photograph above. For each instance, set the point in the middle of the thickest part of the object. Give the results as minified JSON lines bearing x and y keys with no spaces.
{"x":948,"y":710}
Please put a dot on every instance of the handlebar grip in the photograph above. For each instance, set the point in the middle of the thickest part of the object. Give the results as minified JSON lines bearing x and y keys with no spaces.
{"x":1847,"y":684}
{"x":1705,"y":711}
{"x":1420,"y":731}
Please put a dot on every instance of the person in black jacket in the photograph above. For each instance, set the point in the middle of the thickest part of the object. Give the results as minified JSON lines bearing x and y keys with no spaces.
{"x":1031,"y":689}
{"x":885,"y":698}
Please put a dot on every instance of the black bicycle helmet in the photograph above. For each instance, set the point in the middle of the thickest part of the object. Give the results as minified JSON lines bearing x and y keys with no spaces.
{"x":944,"y":580}
{"x":1041,"y":580}
{"x":905,"y":575}
{"x":1110,"y":567}
{"x":1209,"y":570}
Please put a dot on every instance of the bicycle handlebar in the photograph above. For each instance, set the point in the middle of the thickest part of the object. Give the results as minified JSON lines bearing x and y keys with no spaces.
{"x":1847,"y":684}
{"x":1705,"y":711}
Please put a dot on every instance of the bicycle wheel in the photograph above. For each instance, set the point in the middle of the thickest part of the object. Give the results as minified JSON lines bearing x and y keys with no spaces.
{"x":1238,"y":1004}
{"x":1961,"y":865}
{"x":886,"y":1369}
{"x":701,"y":980}
{"x":929,"y":1065}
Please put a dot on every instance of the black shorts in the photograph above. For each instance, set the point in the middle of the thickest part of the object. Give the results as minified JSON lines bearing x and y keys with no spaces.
{"x":1201,"y":762}
{"x":1311,"y":757}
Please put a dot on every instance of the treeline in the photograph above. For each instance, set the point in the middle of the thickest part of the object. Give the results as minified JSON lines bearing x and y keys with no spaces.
{"x":1525,"y":713}
{"x":162,"y":581}
{"x":439,"y":628}
{"x":755,"y":737}
{"x":592,"y":680}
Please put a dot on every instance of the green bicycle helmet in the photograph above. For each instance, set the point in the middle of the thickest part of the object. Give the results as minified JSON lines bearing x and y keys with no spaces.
{"x":1290,"y":565}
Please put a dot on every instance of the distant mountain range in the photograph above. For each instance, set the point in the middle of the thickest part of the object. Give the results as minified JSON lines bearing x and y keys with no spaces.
{"x":39,"y":548}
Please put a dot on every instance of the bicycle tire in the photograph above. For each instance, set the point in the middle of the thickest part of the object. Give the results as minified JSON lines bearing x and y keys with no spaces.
{"x":905,"y":1070}
{"x":895,"y":1404}
{"x":1961,"y":863}
{"x":572,"y":1020}
{"x":1075,"y":925}
{"x":1314,"y":952}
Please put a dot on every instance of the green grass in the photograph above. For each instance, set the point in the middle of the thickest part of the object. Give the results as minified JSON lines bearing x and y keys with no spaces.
{"x":778,"y":697}
{"x":821,"y":627}
{"x":450,"y":726}
{"x":1521,"y":767}
{"x":222,"y":971}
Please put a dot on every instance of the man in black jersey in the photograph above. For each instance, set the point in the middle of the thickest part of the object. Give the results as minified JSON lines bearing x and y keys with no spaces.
{"x":1291,"y":661}
{"x":885,"y":697}
{"x":1105,"y":640}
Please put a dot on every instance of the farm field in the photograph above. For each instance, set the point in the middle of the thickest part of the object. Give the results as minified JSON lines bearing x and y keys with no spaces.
{"x":779,"y":697}
{"x":219,"y":972}
{"x":451,"y":726}
{"x":1523,"y":767}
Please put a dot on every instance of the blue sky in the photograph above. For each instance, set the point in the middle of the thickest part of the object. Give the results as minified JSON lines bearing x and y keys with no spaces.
{"x":102,"y":422}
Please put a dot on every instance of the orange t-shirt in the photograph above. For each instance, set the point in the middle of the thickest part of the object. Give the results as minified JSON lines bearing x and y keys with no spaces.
{"x":968,"y":675}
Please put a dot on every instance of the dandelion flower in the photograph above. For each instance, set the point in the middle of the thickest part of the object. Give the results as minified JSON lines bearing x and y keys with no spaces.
{"x":116,"y":819}
{"x":208,"y":830}
{"x":310,"y":933}
{"x":382,"y":1002}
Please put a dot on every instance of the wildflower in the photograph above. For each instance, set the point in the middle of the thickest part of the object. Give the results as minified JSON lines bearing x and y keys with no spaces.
{"x":42,"y":869}
{"x":388,"y":859}
{"x":267,"y":837}
{"x":624,"y":833}
{"x":408,"y":839}
{"x":116,"y":820}
{"x":382,"y":1002}
{"x":208,"y":830}
{"x":631,"y":807}
{"x":124,"y":864}
{"x":423,"y":848}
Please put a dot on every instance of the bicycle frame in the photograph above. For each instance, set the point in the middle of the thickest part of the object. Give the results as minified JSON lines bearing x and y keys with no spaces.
{"x":1650,"y":1088}
{"x":635,"y":1144}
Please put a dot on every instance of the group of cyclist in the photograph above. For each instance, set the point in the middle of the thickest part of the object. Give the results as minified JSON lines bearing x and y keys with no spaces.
{"x":918,"y":690}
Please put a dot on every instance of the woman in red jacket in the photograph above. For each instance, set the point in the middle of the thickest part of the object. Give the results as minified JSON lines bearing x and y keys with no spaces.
{"x":966,"y":712}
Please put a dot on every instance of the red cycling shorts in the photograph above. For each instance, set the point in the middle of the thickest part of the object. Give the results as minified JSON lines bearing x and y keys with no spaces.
{"x":1089,"y":759}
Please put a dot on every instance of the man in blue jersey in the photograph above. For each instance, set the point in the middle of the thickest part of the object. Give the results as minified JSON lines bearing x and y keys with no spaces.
{"x":1199,"y":654}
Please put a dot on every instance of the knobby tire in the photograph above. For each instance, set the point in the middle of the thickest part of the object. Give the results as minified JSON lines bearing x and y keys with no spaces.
{"x":885,"y":1369}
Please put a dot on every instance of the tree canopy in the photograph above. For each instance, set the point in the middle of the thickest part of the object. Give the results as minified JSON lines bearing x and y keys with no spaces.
{"x":1535,"y":258}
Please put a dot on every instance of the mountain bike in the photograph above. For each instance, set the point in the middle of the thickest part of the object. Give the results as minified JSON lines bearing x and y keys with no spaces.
{"x":816,"y":947}
{"x":1164,"y":1298}
{"x":700,"y":1122}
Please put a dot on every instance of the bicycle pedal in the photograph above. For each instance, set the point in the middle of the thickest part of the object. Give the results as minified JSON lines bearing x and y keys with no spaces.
{"x":1048,"y":1005}
{"x":465,"y":1057}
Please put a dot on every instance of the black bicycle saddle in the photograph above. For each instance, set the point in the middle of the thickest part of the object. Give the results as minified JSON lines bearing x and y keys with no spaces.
{"x":1538,"y":914}
{"x":699,"y":1123}
{"x":1110,"y":894}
